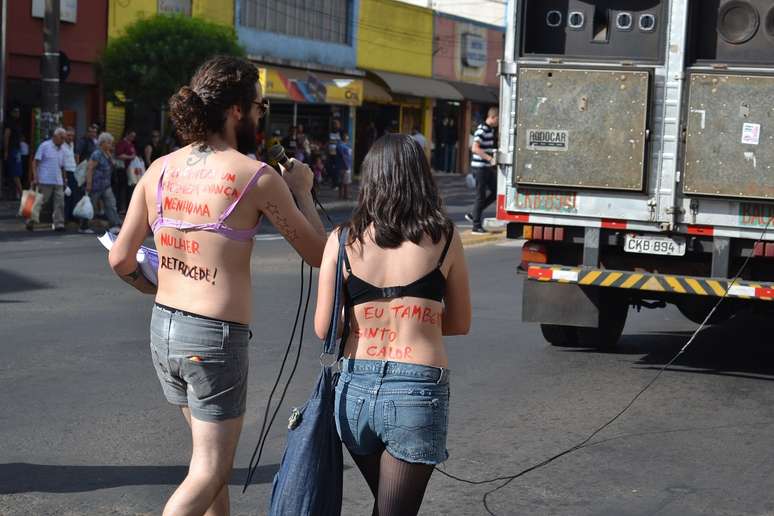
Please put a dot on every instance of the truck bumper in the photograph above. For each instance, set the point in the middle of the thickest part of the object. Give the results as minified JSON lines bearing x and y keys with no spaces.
{"x":649,"y":282}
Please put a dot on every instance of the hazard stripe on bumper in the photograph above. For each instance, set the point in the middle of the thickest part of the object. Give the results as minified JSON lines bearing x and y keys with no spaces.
{"x":711,"y":287}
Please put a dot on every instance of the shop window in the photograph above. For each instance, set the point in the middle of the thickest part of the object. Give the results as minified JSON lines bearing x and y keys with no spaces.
{"x":322,"y":20}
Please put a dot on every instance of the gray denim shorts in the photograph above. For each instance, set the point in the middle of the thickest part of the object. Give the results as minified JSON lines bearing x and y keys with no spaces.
{"x":403,"y":408}
{"x":201,"y":363}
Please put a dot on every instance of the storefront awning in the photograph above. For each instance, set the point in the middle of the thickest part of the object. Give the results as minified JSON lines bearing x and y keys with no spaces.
{"x":374,"y":92}
{"x":476,"y":92}
{"x":305,"y":86}
{"x":418,"y":86}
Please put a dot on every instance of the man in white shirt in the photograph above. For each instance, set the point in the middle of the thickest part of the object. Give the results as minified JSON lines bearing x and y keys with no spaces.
{"x":69,"y":165}
{"x":48,"y":174}
{"x":419,"y":138}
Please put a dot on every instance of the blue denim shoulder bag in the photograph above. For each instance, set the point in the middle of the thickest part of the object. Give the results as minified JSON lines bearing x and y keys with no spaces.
{"x":309,"y":481}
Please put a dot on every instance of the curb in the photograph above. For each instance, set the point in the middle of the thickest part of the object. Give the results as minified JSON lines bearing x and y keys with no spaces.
{"x":469,"y":239}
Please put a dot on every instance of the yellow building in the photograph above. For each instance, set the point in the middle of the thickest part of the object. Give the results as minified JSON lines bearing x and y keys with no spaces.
{"x":395,"y":46}
{"x":124,"y":12}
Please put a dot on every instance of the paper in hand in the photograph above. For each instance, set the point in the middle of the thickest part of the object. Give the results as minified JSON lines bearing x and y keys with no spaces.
{"x":147,"y":258}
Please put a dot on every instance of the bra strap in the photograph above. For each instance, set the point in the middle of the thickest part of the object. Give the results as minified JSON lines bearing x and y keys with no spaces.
{"x":445,"y":249}
{"x":346,"y":258}
{"x":249,"y":186}
{"x":160,"y":188}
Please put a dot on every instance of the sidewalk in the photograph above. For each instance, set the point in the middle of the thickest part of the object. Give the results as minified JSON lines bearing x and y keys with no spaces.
{"x":457,"y":197}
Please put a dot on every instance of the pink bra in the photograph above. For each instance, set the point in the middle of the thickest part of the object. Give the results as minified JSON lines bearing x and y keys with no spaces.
{"x":220,"y":227}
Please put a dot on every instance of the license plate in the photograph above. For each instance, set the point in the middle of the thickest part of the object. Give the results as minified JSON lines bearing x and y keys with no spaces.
{"x":649,"y":244}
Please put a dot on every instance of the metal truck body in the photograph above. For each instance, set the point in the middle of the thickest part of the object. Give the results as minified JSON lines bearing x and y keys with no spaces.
{"x":637,"y":164}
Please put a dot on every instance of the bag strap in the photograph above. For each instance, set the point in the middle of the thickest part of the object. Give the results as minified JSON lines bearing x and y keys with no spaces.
{"x":329,"y":346}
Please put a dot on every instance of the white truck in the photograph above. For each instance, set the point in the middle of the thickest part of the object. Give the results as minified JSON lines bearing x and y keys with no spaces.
{"x":636,"y":159}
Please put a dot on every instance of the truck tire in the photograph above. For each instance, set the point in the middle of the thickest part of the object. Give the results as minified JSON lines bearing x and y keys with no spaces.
{"x":696,"y":310}
{"x":613,"y":311}
{"x":557,"y":335}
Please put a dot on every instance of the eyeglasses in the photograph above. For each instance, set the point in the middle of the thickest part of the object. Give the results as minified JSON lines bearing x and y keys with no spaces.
{"x":263,"y":107}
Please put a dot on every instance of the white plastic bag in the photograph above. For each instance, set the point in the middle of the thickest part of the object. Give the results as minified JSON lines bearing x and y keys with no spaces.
{"x":470,"y":180}
{"x":84,"y":209}
{"x":80,"y":172}
{"x":135,"y":171}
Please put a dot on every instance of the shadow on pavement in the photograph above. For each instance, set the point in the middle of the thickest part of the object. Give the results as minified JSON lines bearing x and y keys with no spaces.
{"x":21,"y":477}
{"x":12,"y":282}
{"x":738,"y":348}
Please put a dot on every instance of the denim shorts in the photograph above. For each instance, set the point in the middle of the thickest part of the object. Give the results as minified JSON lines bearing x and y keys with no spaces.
{"x":403,"y":408}
{"x":201,"y":363}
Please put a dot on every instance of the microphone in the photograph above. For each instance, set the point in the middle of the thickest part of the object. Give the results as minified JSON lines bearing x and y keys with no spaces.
{"x":277,"y":153}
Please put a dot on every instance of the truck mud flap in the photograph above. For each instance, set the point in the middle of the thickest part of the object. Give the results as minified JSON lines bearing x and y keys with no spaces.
{"x":674,"y":284}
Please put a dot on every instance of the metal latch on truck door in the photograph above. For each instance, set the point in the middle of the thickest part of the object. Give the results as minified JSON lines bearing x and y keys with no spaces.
{"x":505,"y":67}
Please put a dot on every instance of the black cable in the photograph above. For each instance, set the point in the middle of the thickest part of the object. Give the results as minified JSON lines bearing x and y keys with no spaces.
{"x":265,"y":434}
{"x":255,"y":459}
{"x":322,"y":208}
{"x":510,"y":478}
{"x":252,"y":467}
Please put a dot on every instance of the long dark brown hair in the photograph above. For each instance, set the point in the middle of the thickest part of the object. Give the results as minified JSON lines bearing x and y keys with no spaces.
{"x":398,"y":195}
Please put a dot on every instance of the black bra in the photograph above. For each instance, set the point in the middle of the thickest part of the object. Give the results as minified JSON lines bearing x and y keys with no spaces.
{"x":430,"y":286}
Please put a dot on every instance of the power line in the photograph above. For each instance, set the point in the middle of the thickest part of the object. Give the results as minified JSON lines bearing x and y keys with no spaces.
{"x":431,"y":54}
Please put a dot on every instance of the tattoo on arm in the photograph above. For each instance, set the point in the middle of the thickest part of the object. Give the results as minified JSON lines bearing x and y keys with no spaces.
{"x":132,"y":276}
{"x":137,"y":280}
{"x":281,"y":223}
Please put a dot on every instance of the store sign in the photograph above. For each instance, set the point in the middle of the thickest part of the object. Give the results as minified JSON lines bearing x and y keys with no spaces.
{"x":311,"y":89}
{"x":68,"y":10}
{"x":473,"y":50}
{"x":175,"y":7}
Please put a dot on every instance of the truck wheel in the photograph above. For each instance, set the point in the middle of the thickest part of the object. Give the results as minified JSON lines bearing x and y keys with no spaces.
{"x":696,"y":310}
{"x":612,"y":319}
{"x":557,"y":335}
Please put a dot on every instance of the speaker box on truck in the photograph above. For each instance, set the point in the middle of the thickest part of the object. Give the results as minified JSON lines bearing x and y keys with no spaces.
{"x":595,"y":29}
{"x":733,"y":31}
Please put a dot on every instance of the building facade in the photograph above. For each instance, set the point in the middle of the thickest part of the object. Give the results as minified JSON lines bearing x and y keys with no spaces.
{"x":466,"y":55}
{"x":306,"y":55}
{"x":82,"y":36}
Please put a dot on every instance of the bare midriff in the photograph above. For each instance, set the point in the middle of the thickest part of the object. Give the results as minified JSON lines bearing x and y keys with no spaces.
{"x":407,"y":330}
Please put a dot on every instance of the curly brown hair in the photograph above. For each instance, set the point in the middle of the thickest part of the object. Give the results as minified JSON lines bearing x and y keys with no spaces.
{"x":199,"y":108}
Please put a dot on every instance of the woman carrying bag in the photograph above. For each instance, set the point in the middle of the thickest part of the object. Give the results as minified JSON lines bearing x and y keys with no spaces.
{"x":405,"y":287}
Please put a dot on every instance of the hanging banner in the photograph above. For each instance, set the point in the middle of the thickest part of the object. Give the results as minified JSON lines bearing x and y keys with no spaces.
{"x":310,"y":88}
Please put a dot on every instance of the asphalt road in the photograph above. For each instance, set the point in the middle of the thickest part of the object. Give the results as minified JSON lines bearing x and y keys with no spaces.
{"x":85,"y":430}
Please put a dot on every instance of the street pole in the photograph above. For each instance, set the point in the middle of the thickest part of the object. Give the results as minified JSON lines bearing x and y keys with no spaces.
{"x":49,"y":116}
{"x":3,"y":53}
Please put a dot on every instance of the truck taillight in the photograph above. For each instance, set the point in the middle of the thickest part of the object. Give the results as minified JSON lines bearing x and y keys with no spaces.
{"x":533,"y":252}
{"x":548,"y":233}
{"x":763,"y":250}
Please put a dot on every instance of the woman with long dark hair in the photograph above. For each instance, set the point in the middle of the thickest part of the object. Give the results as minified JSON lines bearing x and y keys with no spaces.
{"x":406,"y":286}
{"x":203,"y":203}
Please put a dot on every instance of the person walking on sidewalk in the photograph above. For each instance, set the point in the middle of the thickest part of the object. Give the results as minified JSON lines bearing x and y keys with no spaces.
{"x":126,"y":152}
{"x":482,"y":164}
{"x":12,"y":158}
{"x":392,"y":398}
{"x":99,"y":175}
{"x":199,"y":330}
{"x":48,"y":174}
{"x":68,"y":152}
{"x":344,"y":166}
{"x":87,"y":144}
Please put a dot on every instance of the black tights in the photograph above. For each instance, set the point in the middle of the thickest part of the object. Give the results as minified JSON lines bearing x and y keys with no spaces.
{"x":398,"y":486}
